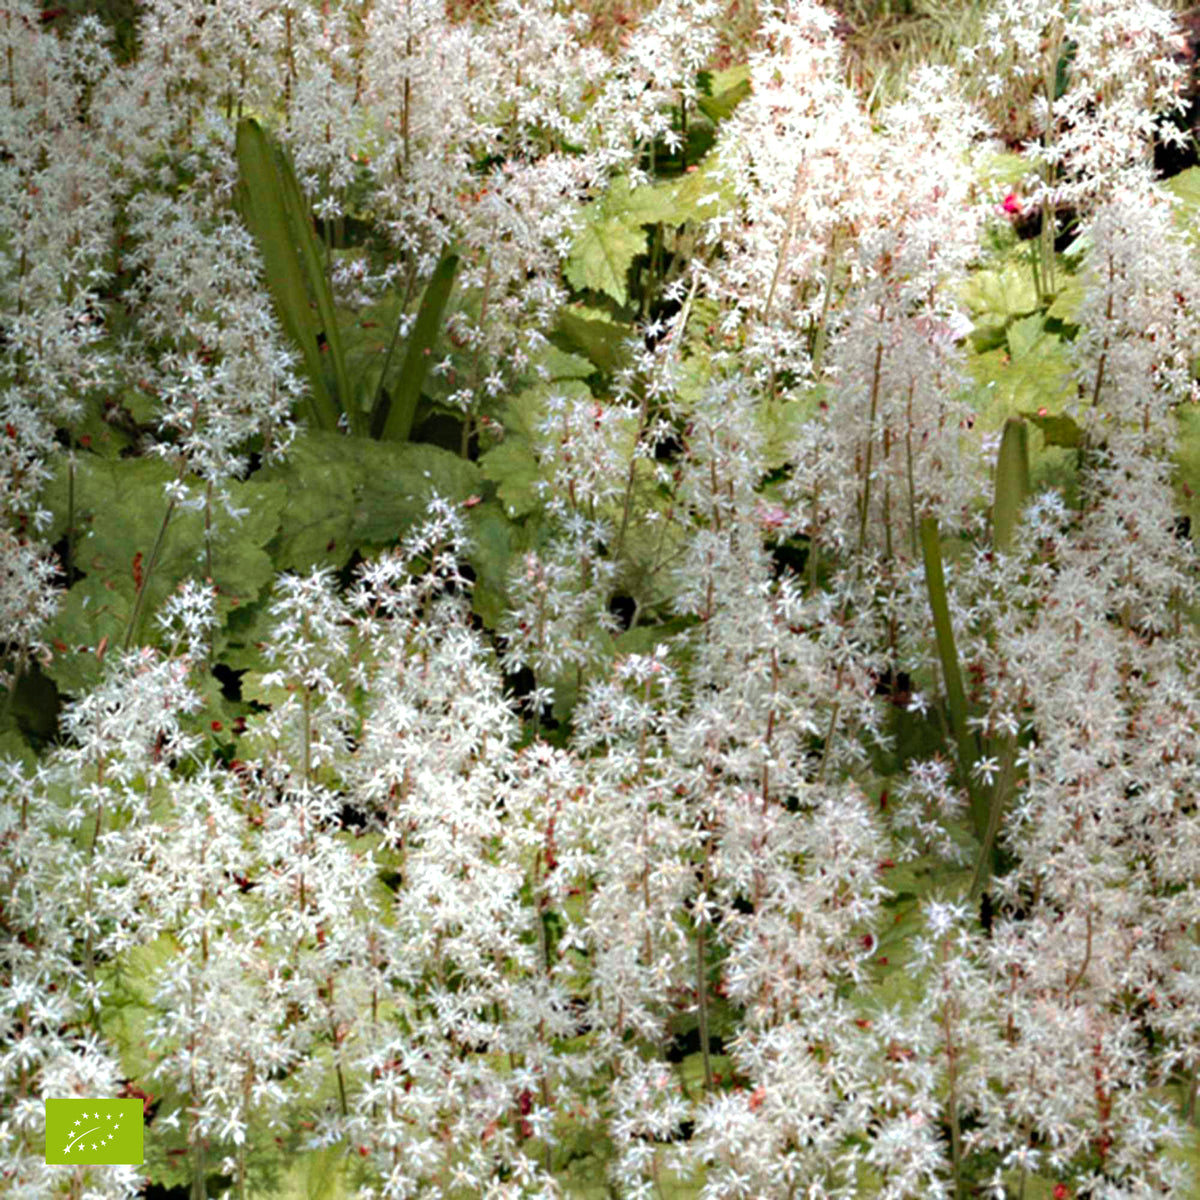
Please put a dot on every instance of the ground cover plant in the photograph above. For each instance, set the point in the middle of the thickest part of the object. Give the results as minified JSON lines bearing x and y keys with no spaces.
{"x":599,"y":615}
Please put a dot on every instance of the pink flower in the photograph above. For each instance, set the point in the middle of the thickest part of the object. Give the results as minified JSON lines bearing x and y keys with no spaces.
{"x":771,"y":516}
{"x":1012,"y":204}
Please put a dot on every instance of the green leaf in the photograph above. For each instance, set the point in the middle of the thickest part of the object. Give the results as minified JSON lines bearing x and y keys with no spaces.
{"x":343,"y":494}
{"x":1012,"y":482}
{"x":1069,"y":297}
{"x":316,"y":1175}
{"x":691,"y":1072}
{"x":497,"y":541}
{"x":995,"y":295}
{"x":515,"y":468}
{"x":1186,"y":186}
{"x":396,"y":425}
{"x":643,"y":639}
{"x":603,"y":252}
{"x":593,"y":334}
{"x":1057,"y":429}
{"x":513,"y":464}
{"x":128,"y":1012}
{"x":728,"y":89}
{"x":560,"y":365}
{"x":119,"y":510}
{"x":1024,"y":336}
{"x":1187,"y":459}
{"x":956,"y":697}
{"x":271,"y":221}
{"x":300,"y":223}
{"x":1005,"y":169}
{"x":14,"y":746}
{"x":1036,"y":372}
{"x":635,"y":207}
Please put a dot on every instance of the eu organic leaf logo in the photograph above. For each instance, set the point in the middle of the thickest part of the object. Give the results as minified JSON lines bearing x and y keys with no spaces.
{"x":100,"y":1132}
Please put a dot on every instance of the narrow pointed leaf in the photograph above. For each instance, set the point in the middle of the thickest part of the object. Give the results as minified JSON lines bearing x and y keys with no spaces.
{"x":397,"y":427}
{"x":302,"y":232}
{"x":956,"y":698}
{"x":261,"y":193}
{"x":1012,"y":483}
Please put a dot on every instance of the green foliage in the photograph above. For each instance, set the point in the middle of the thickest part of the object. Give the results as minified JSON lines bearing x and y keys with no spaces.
{"x":514,"y":464}
{"x":392,"y":415}
{"x":1057,"y":430}
{"x":273,"y":209}
{"x":723,"y":91}
{"x":596,"y":335}
{"x":342,"y":494}
{"x":956,"y":699}
{"x":615,"y":234}
{"x":602,"y":255}
{"x":996,"y":296}
{"x":1012,"y":483}
{"x":315,"y":1175}
{"x":120,"y":507}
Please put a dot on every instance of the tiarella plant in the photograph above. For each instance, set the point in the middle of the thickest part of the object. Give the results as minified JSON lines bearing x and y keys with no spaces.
{"x":582,"y":624}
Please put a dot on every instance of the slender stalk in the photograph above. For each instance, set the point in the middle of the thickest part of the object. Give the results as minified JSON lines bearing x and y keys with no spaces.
{"x":307,"y":767}
{"x":793,"y":216}
{"x":195,"y":1148}
{"x":818,"y":353}
{"x":247,"y":1084}
{"x":289,"y":79}
{"x":139,"y":603}
{"x":1108,"y":312}
{"x":71,"y":516}
{"x":813,"y":545}
{"x":484,"y":303}
{"x":866,"y":492}
{"x":1087,"y":956}
{"x":409,"y":286}
{"x":683,"y":130}
{"x":887,"y":500}
{"x":833,"y":716}
{"x":1003,"y":788}
{"x":952,"y":1080}
{"x":1025,"y":1132}
{"x":1049,"y":210}
{"x":702,"y":974}
{"x":644,"y":417}
{"x":337,"y":1047}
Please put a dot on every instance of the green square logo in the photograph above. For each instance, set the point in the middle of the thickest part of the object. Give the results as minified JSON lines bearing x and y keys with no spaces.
{"x":99,"y":1132}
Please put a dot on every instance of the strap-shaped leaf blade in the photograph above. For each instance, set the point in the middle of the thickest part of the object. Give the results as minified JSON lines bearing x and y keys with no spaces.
{"x":1012,"y":482}
{"x":394,"y":411}
{"x":301,"y":226}
{"x":266,"y":215}
{"x":956,"y":697}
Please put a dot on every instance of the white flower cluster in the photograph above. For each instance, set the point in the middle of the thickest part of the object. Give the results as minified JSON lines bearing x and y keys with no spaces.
{"x":487,"y":973}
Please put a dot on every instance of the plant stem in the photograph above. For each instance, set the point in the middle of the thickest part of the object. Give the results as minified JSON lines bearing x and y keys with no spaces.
{"x":70,"y":515}
{"x":1003,"y":787}
{"x":139,"y":603}
{"x":818,"y":353}
{"x":952,"y":1080}
{"x":702,"y":974}
{"x":866,"y":492}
